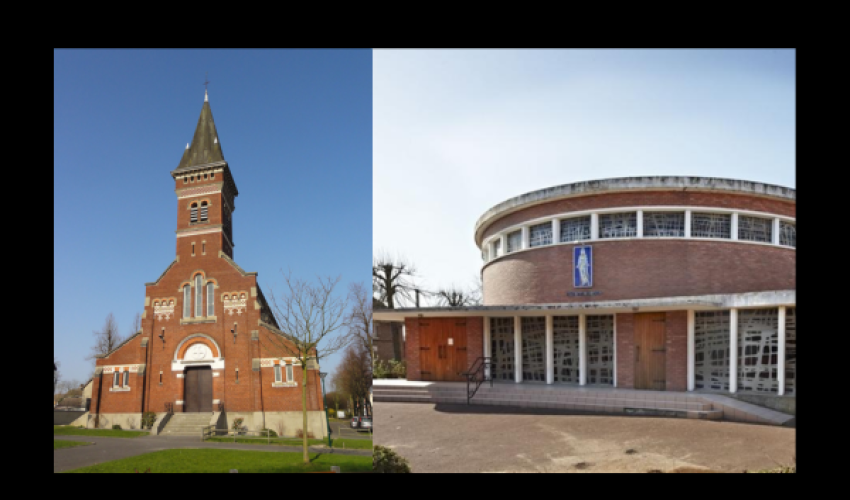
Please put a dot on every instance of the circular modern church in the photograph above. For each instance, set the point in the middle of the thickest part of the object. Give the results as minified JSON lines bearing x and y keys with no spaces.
{"x":638,"y":238}
{"x":665,"y":284}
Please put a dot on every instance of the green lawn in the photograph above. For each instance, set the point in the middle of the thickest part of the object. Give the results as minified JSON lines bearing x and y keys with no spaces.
{"x":349,"y":444}
{"x":61,"y":443}
{"x":207,"y":460}
{"x":64,"y":430}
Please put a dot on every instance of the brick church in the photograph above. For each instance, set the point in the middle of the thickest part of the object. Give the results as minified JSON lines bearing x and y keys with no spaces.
{"x":208,"y":343}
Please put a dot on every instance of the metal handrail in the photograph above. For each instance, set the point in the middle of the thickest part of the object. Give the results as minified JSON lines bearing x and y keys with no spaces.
{"x":481,"y":366}
{"x":169,"y":408}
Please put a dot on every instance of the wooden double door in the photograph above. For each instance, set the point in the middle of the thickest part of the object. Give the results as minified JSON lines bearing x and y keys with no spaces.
{"x":197,"y":390}
{"x":650,"y":351}
{"x":442,"y":349}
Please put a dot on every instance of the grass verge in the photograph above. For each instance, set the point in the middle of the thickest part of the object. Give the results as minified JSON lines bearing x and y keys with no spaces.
{"x":221,"y":461}
{"x":63,"y":430}
{"x":61,"y":443}
{"x":348,"y":444}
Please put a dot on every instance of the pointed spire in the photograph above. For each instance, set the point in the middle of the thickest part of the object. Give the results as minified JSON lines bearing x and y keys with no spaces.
{"x":205,"y":147}
{"x":187,"y":145}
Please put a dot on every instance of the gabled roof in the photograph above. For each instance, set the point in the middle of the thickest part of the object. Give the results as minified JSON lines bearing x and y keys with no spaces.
{"x":205,"y":147}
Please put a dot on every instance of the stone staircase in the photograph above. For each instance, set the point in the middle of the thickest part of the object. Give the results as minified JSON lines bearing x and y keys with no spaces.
{"x":598,"y":400}
{"x":186,"y":424}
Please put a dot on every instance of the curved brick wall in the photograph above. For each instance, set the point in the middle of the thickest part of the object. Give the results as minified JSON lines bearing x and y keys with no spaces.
{"x":641,"y":268}
{"x":644,"y":198}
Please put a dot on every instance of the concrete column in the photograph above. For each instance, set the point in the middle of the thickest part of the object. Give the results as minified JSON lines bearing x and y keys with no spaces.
{"x":550,"y":350}
{"x":640,"y":223}
{"x":687,"y":223}
{"x":775,"y":233}
{"x":691,"y":353}
{"x":504,"y":244}
{"x":733,"y":351}
{"x":735,"y":226}
{"x":780,"y":362}
{"x":525,"y":232}
{"x":517,"y":349}
{"x":582,"y":349}
{"x":594,"y":226}
{"x":556,"y":231}
{"x":487,"y":345}
{"x":615,"y":350}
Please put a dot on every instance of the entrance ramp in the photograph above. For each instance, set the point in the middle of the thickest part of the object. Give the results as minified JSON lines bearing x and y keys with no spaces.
{"x":582,"y":399}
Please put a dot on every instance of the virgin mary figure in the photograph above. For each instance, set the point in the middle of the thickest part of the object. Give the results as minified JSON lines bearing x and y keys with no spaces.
{"x":583,"y":267}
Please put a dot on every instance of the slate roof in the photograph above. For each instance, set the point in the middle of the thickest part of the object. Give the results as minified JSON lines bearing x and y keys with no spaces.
{"x":205,"y":148}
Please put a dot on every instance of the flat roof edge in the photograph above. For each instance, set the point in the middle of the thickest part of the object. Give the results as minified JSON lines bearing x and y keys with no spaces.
{"x":716,"y":301}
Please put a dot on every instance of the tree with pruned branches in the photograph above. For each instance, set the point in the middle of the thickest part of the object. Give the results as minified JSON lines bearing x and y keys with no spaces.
{"x":392,"y":279}
{"x":308,"y":314}
{"x":454,"y":296}
{"x":359,"y":318}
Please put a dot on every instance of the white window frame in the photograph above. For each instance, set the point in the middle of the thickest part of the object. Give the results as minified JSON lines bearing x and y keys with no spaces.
{"x":115,"y":379}
{"x":210,"y":299}
{"x":277,"y":375}
{"x":187,"y":301}
{"x":289,"y":375}
{"x":199,"y":296}
{"x":126,"y":379}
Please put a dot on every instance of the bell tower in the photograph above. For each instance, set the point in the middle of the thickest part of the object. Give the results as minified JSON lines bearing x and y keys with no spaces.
{"x":205,"y":194}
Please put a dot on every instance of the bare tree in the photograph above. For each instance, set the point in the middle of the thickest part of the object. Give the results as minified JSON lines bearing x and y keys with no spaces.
{"x":308,"y":314}
{"x":359,"y":319}
{"x":56,"y":374}
{"x":454,"y":296}
{"x":477,"y":292}
{"x":137,"y":324}
{"x":106,"y":339}
{"x":353,"y":376}
{"x":392,"y":279}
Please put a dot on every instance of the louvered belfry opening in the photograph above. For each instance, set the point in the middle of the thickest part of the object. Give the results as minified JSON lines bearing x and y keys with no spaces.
{"x":203,"y":211}
{"x":193,"y":213}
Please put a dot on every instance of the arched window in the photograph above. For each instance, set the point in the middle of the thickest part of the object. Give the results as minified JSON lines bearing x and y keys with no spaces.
{"x":203,"y":211}
{"x":210,"y":299}
{"x":193,"y":213}
{"x":187,"y":302}
{"x":199,"y":297}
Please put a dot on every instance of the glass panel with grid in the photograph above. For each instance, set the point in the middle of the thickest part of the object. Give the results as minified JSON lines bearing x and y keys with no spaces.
{"x":664,"y":224}
{"x":622,"y":225}
{"x":540,"y":234}
{"x":600,"y":349}
{"x":787,"y":234}
{"x":758,"y":350}
{"x":790,"y":351}
{"x":575,"y":229}
{"x":565,"y":347}
{"x":755,"y":229}
{"x":497,"y":247}
{"x":534,"y":349}
{"x":705,"y":225}
{"x":514,"y":241}
{"x":502,"y":348}
{"x":711,"y":350}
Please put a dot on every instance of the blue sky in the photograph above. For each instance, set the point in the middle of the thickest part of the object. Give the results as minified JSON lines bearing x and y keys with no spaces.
{"x":458,"y":131}
{"x":295,"y":127}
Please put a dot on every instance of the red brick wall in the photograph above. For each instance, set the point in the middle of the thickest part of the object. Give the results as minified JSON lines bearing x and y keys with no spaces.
{"x":625,"y":351}
{"x":645,"y":198}
{"x":474,"y":339}
{"x":640,"y":268}
{"x":676,"y":330}
{"x":411,"y":347}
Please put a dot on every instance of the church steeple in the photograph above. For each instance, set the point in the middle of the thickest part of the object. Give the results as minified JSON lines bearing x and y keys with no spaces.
{"x":205,"y":193}
{"x":205,"y":147}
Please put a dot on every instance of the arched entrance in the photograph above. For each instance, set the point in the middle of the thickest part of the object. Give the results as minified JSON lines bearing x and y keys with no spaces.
{"x":197,"y":380}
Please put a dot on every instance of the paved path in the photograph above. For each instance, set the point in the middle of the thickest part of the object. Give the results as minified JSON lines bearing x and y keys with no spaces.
{"x":106,"y":449}
{"x":460,"y":438}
